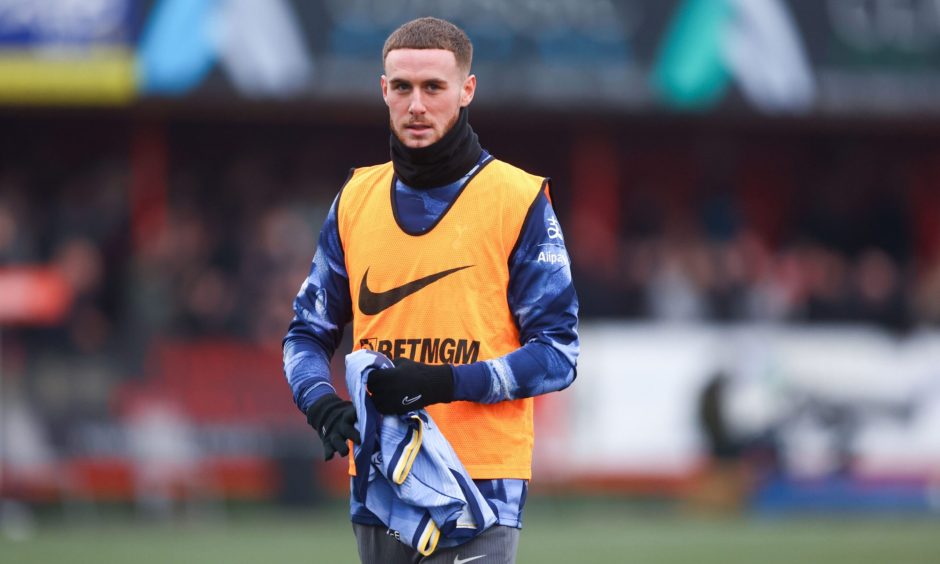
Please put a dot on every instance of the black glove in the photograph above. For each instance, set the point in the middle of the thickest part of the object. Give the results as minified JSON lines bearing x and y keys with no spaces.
{"x":334,"y":420}
{"x":410,"y":386}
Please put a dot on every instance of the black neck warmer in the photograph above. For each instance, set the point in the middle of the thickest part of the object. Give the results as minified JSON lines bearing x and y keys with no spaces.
{"x":440,"y":163}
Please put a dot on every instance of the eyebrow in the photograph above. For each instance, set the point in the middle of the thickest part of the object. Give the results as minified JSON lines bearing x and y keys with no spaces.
{"x":402,"y":81}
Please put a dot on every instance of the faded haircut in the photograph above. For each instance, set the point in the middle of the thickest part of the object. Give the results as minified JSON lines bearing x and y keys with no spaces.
{"x":432,"y":33}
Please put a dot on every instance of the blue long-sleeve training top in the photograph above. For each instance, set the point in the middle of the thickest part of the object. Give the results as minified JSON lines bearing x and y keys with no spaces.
{"x":541,"y":297}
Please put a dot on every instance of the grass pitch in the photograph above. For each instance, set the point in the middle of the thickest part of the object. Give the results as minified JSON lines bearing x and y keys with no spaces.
{"x":556,"y":531}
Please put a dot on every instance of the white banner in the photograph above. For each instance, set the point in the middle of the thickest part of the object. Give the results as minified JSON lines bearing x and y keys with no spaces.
{"x":830,"y":398}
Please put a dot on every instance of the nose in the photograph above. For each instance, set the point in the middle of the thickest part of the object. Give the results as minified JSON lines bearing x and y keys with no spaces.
{"x":417,"y":105}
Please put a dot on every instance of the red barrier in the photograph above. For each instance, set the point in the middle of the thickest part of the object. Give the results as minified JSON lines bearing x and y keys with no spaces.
{"x":216,"y":382}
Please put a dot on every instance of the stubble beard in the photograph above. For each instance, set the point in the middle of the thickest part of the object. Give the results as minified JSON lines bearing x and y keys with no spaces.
{"x":398,"y":134}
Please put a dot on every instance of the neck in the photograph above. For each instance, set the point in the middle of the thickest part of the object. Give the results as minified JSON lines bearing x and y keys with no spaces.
{"x":441,"y":163}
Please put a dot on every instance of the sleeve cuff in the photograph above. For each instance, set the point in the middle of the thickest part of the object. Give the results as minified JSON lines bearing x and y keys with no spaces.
{"x":471,"y":381}
{"x":313,"y":394}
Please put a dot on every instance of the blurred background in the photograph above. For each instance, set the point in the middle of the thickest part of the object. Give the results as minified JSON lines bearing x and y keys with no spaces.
{"x":750,"y":193}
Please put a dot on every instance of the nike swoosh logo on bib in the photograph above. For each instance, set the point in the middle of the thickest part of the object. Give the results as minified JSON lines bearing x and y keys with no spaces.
{"x":371,"y":303}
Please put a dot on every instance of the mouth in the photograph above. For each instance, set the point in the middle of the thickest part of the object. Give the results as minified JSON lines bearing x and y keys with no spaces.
{"x":418,"y":128}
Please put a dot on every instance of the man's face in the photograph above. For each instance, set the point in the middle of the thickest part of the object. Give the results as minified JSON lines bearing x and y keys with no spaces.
{"x":424,"y":90}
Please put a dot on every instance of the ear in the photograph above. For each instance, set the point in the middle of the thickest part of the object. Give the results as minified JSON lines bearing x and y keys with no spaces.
{"x":384,"y":82}
{"x":466,"y":93}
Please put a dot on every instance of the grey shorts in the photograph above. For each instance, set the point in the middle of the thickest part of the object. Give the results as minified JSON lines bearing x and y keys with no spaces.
{"x":496,"y":545}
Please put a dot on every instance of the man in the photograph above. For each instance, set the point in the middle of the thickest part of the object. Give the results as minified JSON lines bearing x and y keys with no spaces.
{"x":452,"y":263}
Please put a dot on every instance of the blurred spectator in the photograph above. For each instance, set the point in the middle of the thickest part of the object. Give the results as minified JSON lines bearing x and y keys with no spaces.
{"x":877,"y":296}
{"x":927,"y":297}
{"x":17,"y":243}
{"x":827,"y":284}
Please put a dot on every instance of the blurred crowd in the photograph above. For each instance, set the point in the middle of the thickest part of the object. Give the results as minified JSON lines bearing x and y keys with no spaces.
{"x":221,"y":260}
{"x":849,"y":236}
{"x":842,"y":239}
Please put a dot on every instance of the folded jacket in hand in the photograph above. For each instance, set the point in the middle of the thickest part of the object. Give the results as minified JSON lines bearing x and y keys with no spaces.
{"x":407,"y":474}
